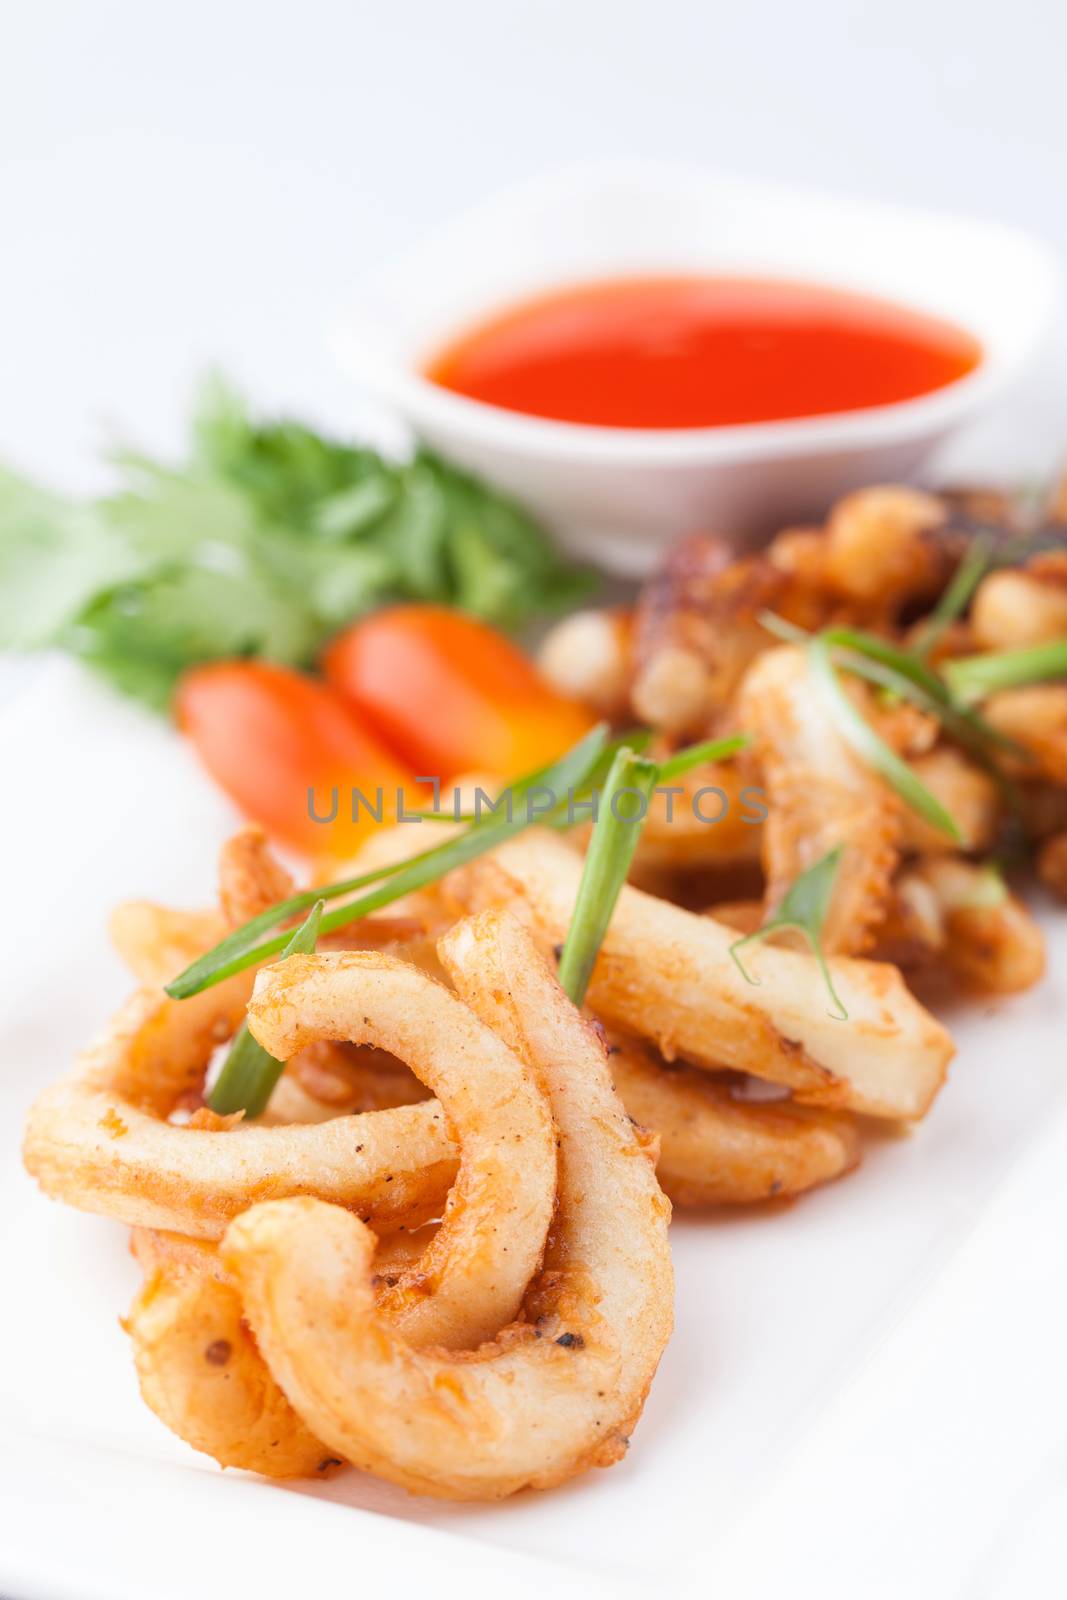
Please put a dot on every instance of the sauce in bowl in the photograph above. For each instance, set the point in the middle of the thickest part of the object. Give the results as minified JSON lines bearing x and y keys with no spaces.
{"x":701,"y":352}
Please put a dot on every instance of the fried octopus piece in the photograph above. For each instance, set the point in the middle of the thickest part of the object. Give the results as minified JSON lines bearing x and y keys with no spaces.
{"x":821,"y":795}
{"x":1015,"y":607}
{"x":587,"y":656}
{"x":969,"y":795}
{"x":550,"y":1396}
{"x":1052,"y":864}
{"x":251,"y":877}
{"x":333,"y":1078}
{"x":157,"y":942}
{"x":958,"y":917}
{"x":883,"y":549}
{"x":1035,"y":718}
{"x":666,"y":974}
{"x":719,"y":1150}
{"x":696,"y":629}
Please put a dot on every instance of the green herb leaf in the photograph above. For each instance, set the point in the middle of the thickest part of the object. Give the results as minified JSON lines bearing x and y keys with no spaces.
{"x":953,"y":602}
{"x":976,"y":677}
{"x":700,"y":755}
{"x":249,"y":1072}
{"x":782,"y":628}
{"x":987,"y":892}
{"x":870,"y":747}
{"x":623,"y":807}
{"x":803,"y":910}
{"x":905,"y":675}
{"x":264,"y":542}
{"x":54,"y":558}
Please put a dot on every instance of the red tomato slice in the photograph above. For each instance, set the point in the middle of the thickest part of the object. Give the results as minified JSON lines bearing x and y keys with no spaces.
{"x":450,"y":694}
{"x":290,"y":750}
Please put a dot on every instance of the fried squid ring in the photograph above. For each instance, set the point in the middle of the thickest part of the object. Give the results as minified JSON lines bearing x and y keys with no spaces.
{"x":199,"y":1368}
{"x":717,"y":1150}
{"x":550,"y":1396}
{"x":471,"y":1279}
{"x":100,"y":1139}
{"x":666,"y":974}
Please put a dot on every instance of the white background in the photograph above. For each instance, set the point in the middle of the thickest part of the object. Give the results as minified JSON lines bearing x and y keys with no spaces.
{"x":196,"y":184}
{"x":190,"y":183}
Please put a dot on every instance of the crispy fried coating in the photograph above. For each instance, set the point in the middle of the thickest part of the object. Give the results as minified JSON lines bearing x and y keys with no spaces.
{"x":473,"y":1275}
{"x":1035,"y":717}
{"x":200,"y":1370}
{"x":719,"y":1150}
{"x":548,"y":1397}
{"x":666,"y":974}
{"x":1052,"y":864}
{"x":1013,"y":608}
{"x":961,"y":916}
{"x":100,"y":1140}
{"x":198,"y":1364}
{"x":821,"y":795}
{"x":587,"y":656}
{"x":882,"y":549}
{"x":969,"y":795}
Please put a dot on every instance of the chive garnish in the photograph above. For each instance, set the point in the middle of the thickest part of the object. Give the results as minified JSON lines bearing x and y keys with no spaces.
{"x":803,"y":910}
{"x":249,"y":1072}
{"x":953,"y":602}
{"x":571,"y":774}
{"x":870,"y":746}
{"x":974,"y":677}
{"x":622,"y":810}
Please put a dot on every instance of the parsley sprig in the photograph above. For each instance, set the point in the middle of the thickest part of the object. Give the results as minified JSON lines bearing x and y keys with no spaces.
{"x":263,"y":542}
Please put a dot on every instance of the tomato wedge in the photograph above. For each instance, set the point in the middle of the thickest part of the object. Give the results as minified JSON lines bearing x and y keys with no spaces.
{"x":450,"y":694}
{"x":289,"y":751}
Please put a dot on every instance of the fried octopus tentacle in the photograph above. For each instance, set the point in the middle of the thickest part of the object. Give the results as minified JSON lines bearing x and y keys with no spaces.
{"x":820,"y":795}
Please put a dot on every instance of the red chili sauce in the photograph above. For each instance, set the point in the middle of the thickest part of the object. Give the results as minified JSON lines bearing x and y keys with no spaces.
{"x":701,"y":352}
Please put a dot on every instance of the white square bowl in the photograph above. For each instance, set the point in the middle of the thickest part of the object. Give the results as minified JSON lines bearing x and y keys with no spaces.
{"x":619,"y":495}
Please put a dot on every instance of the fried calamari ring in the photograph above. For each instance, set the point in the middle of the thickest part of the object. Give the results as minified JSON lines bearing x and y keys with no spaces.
{"x":717,"y":1150}
{"x":100,"y":1139}
{"x":200,"y":1370}
{"x":666,"y":974}
{"x":550,"y":1396}
{"x":471,"y":1279}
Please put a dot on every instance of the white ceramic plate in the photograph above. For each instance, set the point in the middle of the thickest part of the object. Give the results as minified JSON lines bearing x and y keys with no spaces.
{"x":778,"y":1314}
{"x":619,"y":495}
